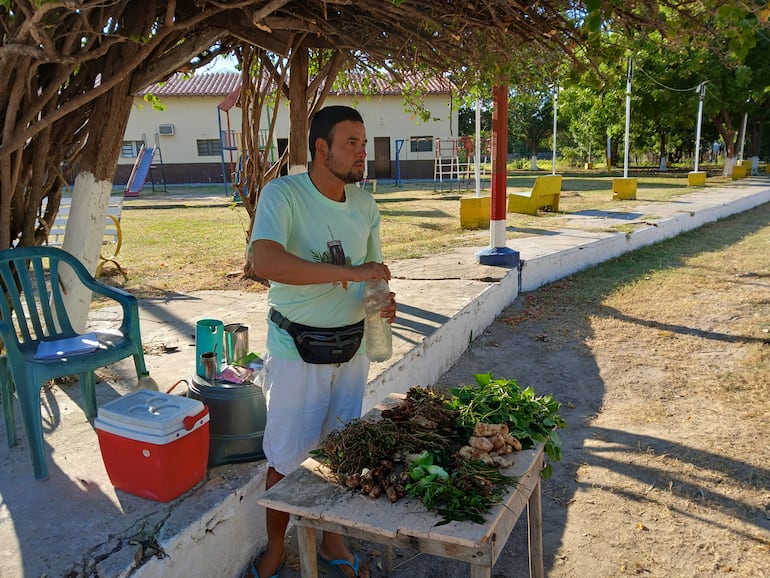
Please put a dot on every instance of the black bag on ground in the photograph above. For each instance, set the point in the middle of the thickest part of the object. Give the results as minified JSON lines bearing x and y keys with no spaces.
{"x":322,"y":344}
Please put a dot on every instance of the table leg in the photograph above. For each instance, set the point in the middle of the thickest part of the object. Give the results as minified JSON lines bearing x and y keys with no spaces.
{"x":307,"y":551}
{"x":535,"y":527}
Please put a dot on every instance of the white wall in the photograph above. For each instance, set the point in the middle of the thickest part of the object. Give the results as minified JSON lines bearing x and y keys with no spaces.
{"x":384,"y":116}
{"x":195,"y":117}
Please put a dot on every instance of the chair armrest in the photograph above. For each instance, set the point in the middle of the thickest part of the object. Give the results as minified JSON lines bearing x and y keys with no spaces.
{"x":105,"y":290}
{"x":128,"y":302}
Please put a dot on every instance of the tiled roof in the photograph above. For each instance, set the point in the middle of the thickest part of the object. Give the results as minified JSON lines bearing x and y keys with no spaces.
{"x":354,"y":85}
{"x":223,"y":83}
{"x":209,"y":84}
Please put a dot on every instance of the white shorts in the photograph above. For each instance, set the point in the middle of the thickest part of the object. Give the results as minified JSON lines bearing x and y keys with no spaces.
{"x":305,"y":402}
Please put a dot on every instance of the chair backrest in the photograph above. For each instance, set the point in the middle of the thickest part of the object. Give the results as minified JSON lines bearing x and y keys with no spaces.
{"x":547,"y":185}
{"x":30,"y":279}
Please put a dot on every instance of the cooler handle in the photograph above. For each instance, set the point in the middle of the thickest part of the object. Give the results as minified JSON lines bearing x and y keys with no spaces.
{"x":190,"y":421}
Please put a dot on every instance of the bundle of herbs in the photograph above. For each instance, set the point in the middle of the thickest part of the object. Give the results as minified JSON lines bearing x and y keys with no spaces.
{"x":530,"y":418}
{"x":414,"y":449}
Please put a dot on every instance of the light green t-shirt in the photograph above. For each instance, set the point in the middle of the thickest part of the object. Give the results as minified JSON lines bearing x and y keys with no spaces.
{"x":293,"y":213}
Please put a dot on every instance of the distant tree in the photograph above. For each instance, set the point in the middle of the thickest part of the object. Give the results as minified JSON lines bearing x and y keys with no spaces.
{"x":664,"y":98}
{"x":530,"y":118}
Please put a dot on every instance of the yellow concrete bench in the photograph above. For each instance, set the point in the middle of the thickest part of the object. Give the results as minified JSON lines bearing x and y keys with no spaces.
{"x":544,"y":195}
{"x":474,"y":213}
{"x":696,"y":178}
{"x":624,"y":188}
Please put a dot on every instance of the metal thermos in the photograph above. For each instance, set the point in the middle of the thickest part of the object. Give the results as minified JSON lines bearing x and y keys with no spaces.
{"x":236,"y":342}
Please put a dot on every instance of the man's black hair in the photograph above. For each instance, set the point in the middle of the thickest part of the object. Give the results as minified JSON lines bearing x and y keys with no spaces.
{"x":323,"y":122}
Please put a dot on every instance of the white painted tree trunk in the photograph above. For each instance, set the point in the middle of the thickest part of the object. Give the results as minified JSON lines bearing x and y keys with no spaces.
{"x":83,"y":239}
{"x":533,"y":163}
{"x":297,"y":169}
{"x":729,"y":164}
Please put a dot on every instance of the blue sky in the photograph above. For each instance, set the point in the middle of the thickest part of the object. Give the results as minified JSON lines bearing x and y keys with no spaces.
{"x":222,"y":64}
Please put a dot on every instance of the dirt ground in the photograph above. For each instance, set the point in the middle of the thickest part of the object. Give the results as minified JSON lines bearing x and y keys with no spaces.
{"x":661,"y":360}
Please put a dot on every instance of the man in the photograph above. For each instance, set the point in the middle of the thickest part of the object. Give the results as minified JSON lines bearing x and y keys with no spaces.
{"x":317,"y":241}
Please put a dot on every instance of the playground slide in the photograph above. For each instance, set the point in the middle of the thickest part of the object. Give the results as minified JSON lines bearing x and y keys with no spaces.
{"x":139,"y":172}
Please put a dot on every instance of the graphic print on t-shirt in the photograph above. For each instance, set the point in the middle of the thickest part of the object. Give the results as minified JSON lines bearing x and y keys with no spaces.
{"x":334,"y":252}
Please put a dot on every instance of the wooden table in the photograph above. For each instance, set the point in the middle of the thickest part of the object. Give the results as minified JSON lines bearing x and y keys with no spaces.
{"x":317,"y":502}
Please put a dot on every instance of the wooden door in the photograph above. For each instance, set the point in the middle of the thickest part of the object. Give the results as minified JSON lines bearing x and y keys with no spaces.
{"x":381,"y":158}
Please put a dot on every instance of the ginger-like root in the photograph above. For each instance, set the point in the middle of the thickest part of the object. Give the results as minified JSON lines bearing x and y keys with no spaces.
{"x":490,"y":429}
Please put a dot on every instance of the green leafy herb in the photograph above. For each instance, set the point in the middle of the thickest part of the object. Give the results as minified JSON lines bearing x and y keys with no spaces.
{"x":467,"y":493}
{"x":414,"y":448}
{"x":530,"y":418}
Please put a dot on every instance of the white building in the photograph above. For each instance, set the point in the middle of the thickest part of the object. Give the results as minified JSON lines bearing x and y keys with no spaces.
{"x":188,"y":134}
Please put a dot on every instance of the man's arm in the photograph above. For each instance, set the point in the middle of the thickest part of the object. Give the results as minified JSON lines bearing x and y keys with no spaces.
{"x":271,"y":261}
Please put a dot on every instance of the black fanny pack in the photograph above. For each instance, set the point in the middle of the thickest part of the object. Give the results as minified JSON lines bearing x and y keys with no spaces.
{"x":322,"y":344}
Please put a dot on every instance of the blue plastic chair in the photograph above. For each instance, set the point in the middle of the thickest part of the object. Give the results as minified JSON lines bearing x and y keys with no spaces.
{"x":31,"y":311}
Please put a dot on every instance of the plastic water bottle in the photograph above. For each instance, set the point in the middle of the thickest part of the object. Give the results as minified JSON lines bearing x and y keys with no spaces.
{"x":379,"y":339}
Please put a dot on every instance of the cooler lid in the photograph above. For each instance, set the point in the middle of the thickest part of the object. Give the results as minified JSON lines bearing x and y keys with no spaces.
{"x":150,"y":411}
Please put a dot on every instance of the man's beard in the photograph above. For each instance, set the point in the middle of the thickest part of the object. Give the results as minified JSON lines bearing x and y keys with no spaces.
{"x":353,"y":175}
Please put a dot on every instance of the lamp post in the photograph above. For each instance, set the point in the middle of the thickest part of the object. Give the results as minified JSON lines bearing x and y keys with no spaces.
{"x":743,"y":128}
{"x":629,"y":77}
{"x":697,"y":178}
{"x":701,"y":97}
{"x":625,"y":188}
{"x":555,"y":109}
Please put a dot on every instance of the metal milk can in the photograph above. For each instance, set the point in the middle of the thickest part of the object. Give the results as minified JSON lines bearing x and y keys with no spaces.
{"x":236,"y":342}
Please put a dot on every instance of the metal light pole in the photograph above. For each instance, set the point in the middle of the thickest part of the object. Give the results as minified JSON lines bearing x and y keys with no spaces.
{"x":743,"y":134}
{"x":743,"y":129}
{"x":625,"y":188}
{"x":555,"y":109}
{"x":701,"y":97}
{"x":629,"y":77}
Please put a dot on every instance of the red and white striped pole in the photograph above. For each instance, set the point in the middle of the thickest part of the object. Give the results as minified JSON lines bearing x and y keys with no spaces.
{"x":498,"y":253}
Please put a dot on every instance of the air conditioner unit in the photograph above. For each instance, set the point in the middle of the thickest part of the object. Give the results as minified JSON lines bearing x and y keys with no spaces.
{"x":166,"y":129}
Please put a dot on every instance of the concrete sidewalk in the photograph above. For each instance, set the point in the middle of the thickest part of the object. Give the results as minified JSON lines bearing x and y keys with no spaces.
{"x":77,"y":524}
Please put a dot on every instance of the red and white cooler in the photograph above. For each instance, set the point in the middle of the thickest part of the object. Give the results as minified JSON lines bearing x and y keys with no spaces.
{"x":153,"y":444}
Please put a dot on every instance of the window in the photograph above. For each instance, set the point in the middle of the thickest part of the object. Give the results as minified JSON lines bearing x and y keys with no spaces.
{"x":209,"y":147}
{"x":421,"y":144}
{"x":130,"y":148}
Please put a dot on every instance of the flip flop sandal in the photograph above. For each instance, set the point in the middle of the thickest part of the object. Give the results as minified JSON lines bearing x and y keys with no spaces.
{"x":334,"y":565}
{"x":277,"y":574}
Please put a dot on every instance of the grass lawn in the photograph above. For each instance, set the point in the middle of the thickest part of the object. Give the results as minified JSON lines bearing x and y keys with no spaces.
{"x":189,"y":238}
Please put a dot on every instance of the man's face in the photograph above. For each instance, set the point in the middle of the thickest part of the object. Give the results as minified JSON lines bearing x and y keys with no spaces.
{"x":346,"y":159}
